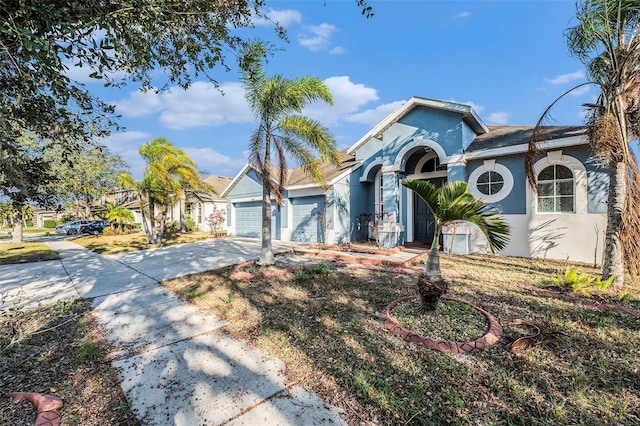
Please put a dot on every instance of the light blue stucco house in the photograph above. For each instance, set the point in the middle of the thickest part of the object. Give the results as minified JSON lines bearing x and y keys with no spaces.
{"x":441,"y":141}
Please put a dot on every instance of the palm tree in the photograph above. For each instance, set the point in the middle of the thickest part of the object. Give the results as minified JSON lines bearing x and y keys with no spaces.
{"x":117,"y":213}
{"x":169,"y":171}
{"x":449,"y":203}
{"x":277,"y":103}
{"x":606,"y":39}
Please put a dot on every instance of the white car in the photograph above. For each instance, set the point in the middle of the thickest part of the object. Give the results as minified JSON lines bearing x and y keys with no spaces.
{"x":73,"y":227}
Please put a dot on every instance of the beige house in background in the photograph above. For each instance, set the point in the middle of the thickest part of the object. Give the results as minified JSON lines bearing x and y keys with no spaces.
{"x":197,"y":205}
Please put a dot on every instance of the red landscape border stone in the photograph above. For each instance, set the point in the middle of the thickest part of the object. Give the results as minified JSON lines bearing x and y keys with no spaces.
{"x":493,"y":335}
{"x":47,"y":406}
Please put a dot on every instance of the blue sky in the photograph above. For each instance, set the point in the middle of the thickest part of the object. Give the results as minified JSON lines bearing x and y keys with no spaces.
{"x":507,"y":59}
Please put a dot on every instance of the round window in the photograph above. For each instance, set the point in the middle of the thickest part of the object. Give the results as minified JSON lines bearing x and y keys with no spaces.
{"x":490,"y":183}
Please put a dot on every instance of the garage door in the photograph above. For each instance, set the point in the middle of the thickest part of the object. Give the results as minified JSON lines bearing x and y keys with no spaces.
{"x":249,"y":220}
{"x":308,"y":216}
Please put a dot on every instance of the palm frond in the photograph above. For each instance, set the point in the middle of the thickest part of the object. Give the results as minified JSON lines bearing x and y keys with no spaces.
{"x":312,"y":133}
{"x":453,"y":202}
{"x":425,"y":190}
{"x":539,"y":136}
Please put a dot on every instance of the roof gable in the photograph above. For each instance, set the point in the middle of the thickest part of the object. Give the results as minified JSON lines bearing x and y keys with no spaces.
{"x":466,"y":112}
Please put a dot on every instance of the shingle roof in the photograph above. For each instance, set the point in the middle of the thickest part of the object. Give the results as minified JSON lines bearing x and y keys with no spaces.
{"x":504,"y":136}
{"x":297,"y":175}
{"x":219,"y":183}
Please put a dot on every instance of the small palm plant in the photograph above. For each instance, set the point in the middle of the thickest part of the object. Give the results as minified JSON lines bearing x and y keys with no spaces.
{"x":449,"y":203}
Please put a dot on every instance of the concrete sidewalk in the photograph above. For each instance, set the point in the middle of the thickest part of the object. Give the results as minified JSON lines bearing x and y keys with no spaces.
{"x":176,"y":367}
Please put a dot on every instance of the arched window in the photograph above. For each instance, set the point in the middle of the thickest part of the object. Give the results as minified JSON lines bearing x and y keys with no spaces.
{"x":556,"y":190}
{"x":432,"y":165}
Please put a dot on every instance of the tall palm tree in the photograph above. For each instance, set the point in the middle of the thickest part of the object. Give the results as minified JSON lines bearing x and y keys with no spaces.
{"x":277,"y":103}
{"x":449,"y":203}
{"x":606,"y":39}
{"x":168,"y":172}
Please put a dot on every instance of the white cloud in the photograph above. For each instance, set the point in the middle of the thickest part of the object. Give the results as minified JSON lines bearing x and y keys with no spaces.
{"x":580,"y":91}
{"x":373,"y":116}
{"x":566,"y":78}
{"x":338,"y":50}
{"x":126,"y":145}
{"x":214,"y":162}
{"x":202,"y":105}
{"x":464,"y":14}
{"x":476,"y":107}
{"x":317,"y":37}
{"x":285,"y":17}
{"x":348,"y":97}
{"x":81,"y":74}
{"x":499,"y":117}
{"x":139,"y":104}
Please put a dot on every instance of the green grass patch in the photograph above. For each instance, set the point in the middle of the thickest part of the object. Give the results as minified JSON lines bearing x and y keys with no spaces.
{"x":112,"y":244}
{"x":25,"y":252}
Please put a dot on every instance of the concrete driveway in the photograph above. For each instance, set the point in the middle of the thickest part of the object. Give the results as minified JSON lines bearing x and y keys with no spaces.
{"x":176,"y":366}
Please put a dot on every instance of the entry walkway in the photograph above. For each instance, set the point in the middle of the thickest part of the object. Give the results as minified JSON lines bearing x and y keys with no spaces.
{"x":176,"y":367}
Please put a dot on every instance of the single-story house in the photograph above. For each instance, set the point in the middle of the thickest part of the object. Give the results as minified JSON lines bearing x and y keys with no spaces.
{"x":441,"y":141}
{"x":197,"y":205}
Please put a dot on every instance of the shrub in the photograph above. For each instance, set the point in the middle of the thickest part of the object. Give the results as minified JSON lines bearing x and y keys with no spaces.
{"x":49,"y":223}
{"x":171,"y":228}
{"x":189,"y":224}
{"x":110,"y":230}
{"x":573,"y":280}
{"x":216,"y":220}
{"x":67,"y":218}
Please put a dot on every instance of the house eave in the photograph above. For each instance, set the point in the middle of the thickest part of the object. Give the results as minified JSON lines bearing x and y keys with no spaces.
{"x":521,"y":148}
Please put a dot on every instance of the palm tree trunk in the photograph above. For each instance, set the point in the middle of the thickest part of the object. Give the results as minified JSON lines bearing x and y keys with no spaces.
{"x":433,"y":261}
{"x":431,"y":285}
{"x":266,"y":254}
{"x":613,"y":256}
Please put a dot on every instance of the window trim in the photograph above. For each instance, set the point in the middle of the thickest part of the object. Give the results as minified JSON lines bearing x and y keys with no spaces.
{"x":554,"y":197}
{"x":491,"y":166}
{"x":579,"y":183}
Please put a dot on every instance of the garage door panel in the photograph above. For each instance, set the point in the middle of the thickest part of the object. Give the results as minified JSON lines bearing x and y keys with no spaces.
{"x":249,"y":220}
{"x":307,"y":216}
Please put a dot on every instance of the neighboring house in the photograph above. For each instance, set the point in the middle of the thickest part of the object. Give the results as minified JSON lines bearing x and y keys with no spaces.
{"x":197,"y":206}
{"x":441,"y":141}
{"x":41,"y":214}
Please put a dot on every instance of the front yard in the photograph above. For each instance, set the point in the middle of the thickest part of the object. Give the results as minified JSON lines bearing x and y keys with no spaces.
{"x":323,"y":322}
{"x":112,"y":244}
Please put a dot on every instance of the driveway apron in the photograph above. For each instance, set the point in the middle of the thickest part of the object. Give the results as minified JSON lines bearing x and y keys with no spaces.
{"x":176,"y":366}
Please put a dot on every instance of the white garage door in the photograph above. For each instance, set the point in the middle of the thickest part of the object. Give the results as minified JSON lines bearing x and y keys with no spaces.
{"x":308,"y":214}
{"x":249,"y":220}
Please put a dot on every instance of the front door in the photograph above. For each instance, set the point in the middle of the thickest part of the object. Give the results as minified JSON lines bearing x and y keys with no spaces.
{"x":424,"y":223}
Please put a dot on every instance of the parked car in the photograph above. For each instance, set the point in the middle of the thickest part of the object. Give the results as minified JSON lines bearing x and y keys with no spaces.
{"x":73,"y":227}
{"x":93,"y":228}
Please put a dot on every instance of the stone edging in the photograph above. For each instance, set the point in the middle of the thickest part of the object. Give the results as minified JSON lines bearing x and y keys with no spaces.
{"x":494,"y":333}
{"x":47,"y":406}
